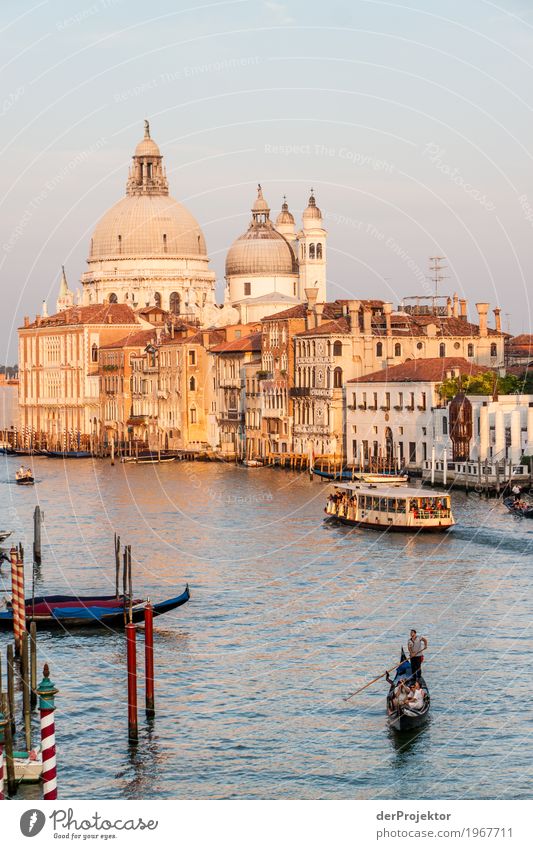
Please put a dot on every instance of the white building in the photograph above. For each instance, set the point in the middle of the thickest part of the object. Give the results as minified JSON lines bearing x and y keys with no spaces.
{"x":270,"y":266}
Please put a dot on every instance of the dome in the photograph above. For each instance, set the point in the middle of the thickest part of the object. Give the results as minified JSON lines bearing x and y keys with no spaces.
{"x":260,"y":204}
{"x":285,"y":217}
{"x":312,"y":212}
{"x":261,"y":251}
{"x":147,"y":147}
{"x":142,"y":226}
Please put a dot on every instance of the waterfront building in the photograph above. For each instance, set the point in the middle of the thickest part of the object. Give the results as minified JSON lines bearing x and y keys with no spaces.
{"x":391,"y":415}
{"x":148,"y":248}
{"x":519,"y":350}
{"x":59,"y":391}
{"x":231,"y":357}
{"x":269,"y":267}
{"x":368,"y":337}
{"x":254,"y":442}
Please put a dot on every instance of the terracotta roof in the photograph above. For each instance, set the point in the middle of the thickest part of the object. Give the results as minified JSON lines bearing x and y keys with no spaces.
{"x":93,"y":314}
{"x":135,"y":339}
{"x":450,"y":325}
{"x":332,"y":309}
{"x":522,"y":344}
{"x":432,"y":370}
{"x":338,"y":325}
{"x":245,"y":343}
{"x":215,"y":337}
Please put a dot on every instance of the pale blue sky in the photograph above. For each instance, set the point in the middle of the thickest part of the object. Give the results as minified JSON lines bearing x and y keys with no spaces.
{"x":412,"y":121}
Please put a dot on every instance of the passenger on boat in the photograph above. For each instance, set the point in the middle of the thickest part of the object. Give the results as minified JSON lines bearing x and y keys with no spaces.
{"x":399,"y":693}
{"x":416,"y":645}
{"x":416,"y":697}
{"x":21,"y":472}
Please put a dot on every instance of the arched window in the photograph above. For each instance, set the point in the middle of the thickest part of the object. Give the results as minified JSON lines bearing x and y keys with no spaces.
{"x":247,"y":289}
{"x":164,"y":243}
{"x":120,"y":244}
{"x":445,"y":425}
{"x":337,"y":378}
{"x":442,"y":350}
{"x":157,"y":299}
{"x":94,"y":353}
{"x":311,"y":251}
{"x":470,"y":350}
{"x":337,"y":349}
{"x":192,"y":415}
{"x":494,"y":350}
{"x":319,"y":251}
{"x":113,"y":298}
{"x":397,"y":350}
{"x":379,"y":349}
{"x":303,"y":250}
{"x":174,"y":303}
{"x":192,"y":384}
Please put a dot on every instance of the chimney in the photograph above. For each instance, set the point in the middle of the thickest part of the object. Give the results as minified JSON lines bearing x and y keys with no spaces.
{"x":38,"y":320}
{"x":311,"y":295}
{"x":367,"y":320}
{"x":497,"y":319}
{"x":172,"y":330}
{"x":482,"y":310}
{"x":354,"y":308}
{"x":26,"y":321}
{"x":462,"y":309}
{"x":205,"y":338}
{"x":109,"y":318}
{"x":387,"y":309}
{"x":319,"y":310}
{"x":449,"y":308}
{"x":455,"y":310}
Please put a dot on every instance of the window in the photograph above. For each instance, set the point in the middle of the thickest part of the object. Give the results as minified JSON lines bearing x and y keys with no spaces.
{"x":387,"y":400}
{"x":174,"y":303}
{"x":192,"y":384}
{"x":494,"y":350}
{"x":442,"y":350}
{"x":445,"y":425}
{"x":337,"y":378}
{"x":311,"y":251}
{"x":157,"y":299}
{"x":119,"y":244}
{"x":470,"y":350}
{"x":94,"y":353}
{"x":319,"y":251}
{"x":412,"y":452}
{"x":247,"y":289}
{"x":337,"y":349}
{"x":379,"y":349}
{"x":192,"y":415}
{"x":419,"y":345}
{"x":113,"y":298}
{"x":164,"y":243}
{"x":397,"y":350}
{"x":192,"y":358}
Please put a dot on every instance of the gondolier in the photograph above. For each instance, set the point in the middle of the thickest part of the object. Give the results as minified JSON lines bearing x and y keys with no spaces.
{"x":416,"y":645}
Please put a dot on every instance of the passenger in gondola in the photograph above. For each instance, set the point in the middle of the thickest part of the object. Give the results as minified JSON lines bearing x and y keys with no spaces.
{"x":398,"y":693}
{"x":21,"y":472}
{"x":416,"y":645}
{"x":416,"y":696}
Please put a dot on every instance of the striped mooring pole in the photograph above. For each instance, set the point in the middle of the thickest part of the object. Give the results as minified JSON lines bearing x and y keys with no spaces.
{"x":18,"y":600}
{"x":46,"y":692}
{"x":3,"y":723}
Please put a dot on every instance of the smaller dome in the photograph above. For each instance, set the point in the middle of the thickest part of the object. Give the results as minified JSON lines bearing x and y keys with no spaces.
{"x":147,"y":147}
{"x":312,"y":211}
{"x":260,"y":204}
{"x":285,"y":217}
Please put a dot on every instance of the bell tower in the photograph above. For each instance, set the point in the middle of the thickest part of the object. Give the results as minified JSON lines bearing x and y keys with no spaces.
{"x":147,"y":176}
{"x":312,"y":251}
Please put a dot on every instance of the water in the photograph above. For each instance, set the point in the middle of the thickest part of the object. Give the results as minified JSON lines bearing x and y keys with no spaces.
{"x":287,"y":615}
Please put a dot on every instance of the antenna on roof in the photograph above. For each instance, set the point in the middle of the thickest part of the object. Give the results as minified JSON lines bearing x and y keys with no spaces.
{"x":436,"y":268}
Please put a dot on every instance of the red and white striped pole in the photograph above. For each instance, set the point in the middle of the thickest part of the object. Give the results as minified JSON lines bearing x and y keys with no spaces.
{"x":46,"y":692}
{"x":3,"y":723}
{"x":17,"y":594}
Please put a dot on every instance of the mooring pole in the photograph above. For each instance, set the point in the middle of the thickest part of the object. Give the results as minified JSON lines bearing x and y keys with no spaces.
{"x":149,"y":659}
{"x":46,"y":692}
{"x":33,"y":665}
{"x":38,"y":517}
{"x":131,"y":650}
{"x":3,"y":723}
{"x":8,"y":748}
{"x":11,"y":685}
{"x":117,"y":564}
{"x":15,"y":595}
{"x":25,"y":678}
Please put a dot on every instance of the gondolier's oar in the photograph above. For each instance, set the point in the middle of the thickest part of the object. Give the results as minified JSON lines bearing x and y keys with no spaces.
{"x":396,"y":665}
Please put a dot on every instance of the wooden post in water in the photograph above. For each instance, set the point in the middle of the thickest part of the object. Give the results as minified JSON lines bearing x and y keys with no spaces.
{"x":3,"y":723}
{"x":8,"y":748}
{"x":38,"y":517}
{"x":125,"y":582}
{"x":117,"y":564}
{"x":131,"y":652}
{"x":130,"y":582}
{"x":17,"y":596}
{"x":11,"y":685}
{"x":149,"y":659}
{"x":25,"y":679}
{"x":33,"y":665}
{"x":46,"y":693}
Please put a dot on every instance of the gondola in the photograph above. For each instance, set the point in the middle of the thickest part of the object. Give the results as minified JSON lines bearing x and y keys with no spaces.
{"x":524,"y":512}
{"x":406,"y":718}
{"x":364,"y":477}
{"x":69,"y":455}
{"x":4,"y":535}
{"x":24,"y":480}
{"x":63,"y":611}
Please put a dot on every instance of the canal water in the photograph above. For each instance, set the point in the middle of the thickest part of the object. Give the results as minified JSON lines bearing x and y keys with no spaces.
{"x":287,"y":615}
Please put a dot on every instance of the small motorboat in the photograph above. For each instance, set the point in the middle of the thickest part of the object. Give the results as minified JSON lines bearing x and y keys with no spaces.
{"x":24,"y":478}
{"x":519,"y":507}
{"x":67,"y":612}
{"x":4,"y":535}
{"x":252,"y":464}
{"x":28,"y":766}
{"x":405,"y":717}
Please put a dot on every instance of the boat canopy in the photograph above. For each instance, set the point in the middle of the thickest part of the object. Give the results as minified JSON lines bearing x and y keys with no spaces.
{"x":395,"y":491}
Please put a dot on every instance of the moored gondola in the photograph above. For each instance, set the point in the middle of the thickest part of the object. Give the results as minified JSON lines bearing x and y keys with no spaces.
{"x":519,"y":507}
{"x":405,"y":717}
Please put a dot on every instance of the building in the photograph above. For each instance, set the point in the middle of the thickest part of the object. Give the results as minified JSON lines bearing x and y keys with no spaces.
{"x":59,"y":389}
{"x":391,"y":414}
{"x":269,"y":266}
{"x":368,"y":336}
{"x":519,"y":351}
{"x":148,"y":248}
{"x":231,"y":358}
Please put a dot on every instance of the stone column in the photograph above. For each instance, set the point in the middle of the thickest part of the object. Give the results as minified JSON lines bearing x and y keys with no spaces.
{"x":499,"y":427}
{"x":516,"y":447}
{"x":529,"y":449}
{"x":483,"y":433}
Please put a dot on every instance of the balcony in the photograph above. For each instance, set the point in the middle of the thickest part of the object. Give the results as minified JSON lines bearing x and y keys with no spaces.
{"x":299,"y":391}
{"x":398,"y":407}
{"x":385,"y":408}
{"x":362,"y":407}
{"x":230,"y":383}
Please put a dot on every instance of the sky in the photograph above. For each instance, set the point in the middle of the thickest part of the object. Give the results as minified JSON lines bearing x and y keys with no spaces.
{"x":412,"y":122}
